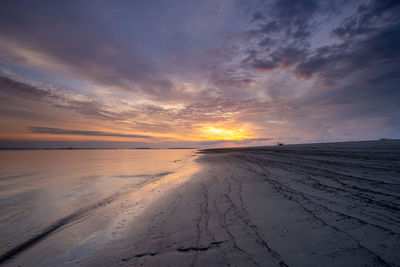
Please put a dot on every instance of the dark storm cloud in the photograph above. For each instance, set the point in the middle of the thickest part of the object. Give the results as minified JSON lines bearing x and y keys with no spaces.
{"x":283,"y":30}
{"x":293,"y":19}
{"x":369,"y":38}
{"x":57,"y":131}
{"x":379,"y":49}
{"x":369,"y":18}
{"x":336,"y":62}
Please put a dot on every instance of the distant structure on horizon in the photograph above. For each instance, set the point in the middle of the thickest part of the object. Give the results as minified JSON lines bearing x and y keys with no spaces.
{"x":280,"y":142}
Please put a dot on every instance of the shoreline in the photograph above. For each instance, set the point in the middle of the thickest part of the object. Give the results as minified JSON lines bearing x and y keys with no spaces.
{"x":331,"y":205}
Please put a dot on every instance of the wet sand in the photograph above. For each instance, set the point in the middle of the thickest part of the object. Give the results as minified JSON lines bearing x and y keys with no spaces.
{"x":294,"y":205}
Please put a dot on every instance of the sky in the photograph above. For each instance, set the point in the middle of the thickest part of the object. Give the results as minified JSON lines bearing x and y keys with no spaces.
{"x":211,"y":73}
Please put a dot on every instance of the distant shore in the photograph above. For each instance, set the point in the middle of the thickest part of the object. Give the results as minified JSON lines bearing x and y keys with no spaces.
{"x":243,"y":147}
{"x":91,"y":148}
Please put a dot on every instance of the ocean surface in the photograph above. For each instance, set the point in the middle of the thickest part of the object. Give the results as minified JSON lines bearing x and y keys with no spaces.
{"x":42,"y":191}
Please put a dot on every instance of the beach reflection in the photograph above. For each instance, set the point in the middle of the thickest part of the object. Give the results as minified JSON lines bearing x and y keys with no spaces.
{"x":43,"y":188}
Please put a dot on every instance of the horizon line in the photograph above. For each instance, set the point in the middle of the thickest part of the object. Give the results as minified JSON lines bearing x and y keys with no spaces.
{"x":165,"y":148}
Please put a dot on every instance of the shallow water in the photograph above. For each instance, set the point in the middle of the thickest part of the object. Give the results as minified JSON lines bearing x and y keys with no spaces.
{"x":47,"y":189}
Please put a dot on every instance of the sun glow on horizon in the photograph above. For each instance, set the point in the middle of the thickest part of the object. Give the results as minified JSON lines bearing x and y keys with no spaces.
{"x":213,"y":133}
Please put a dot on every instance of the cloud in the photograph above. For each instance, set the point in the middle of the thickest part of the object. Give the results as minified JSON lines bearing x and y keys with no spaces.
{"x":369,"y":18}
{"x":282,"y":57}
{"x":13,"y":91}
{"x":378,"y":50}
{"x":47,"y":34}
{"x":291,"y":19}
{"x":282,"y":32}
{"x":169,"y":69}
{"x":363,"y":41}
{"x":144,"y":51}
{"x":152,"y":118}
{"x":57,"y":131}
{"x":10,"y":87}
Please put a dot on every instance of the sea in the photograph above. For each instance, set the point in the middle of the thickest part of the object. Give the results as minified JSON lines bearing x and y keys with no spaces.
{"x":44,"y":191}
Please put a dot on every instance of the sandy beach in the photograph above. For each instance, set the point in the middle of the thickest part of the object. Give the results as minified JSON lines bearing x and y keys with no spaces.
{"x":200,"y":133}
{"x":295,"y":205}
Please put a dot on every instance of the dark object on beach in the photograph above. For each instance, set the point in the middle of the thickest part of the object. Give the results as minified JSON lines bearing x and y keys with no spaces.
{"x":279,"y":141}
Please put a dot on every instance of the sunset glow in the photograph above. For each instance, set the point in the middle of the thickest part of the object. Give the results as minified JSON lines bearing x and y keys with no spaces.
{"x":199,"y":133}
{"x":224,"y":134}
{"x":197,"y":73}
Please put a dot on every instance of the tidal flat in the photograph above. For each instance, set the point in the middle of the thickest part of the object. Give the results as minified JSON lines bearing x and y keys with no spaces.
{"x":333,"y":204}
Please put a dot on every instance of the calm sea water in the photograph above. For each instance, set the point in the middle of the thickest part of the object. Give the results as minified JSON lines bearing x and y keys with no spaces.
{"x":49,"y":188}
